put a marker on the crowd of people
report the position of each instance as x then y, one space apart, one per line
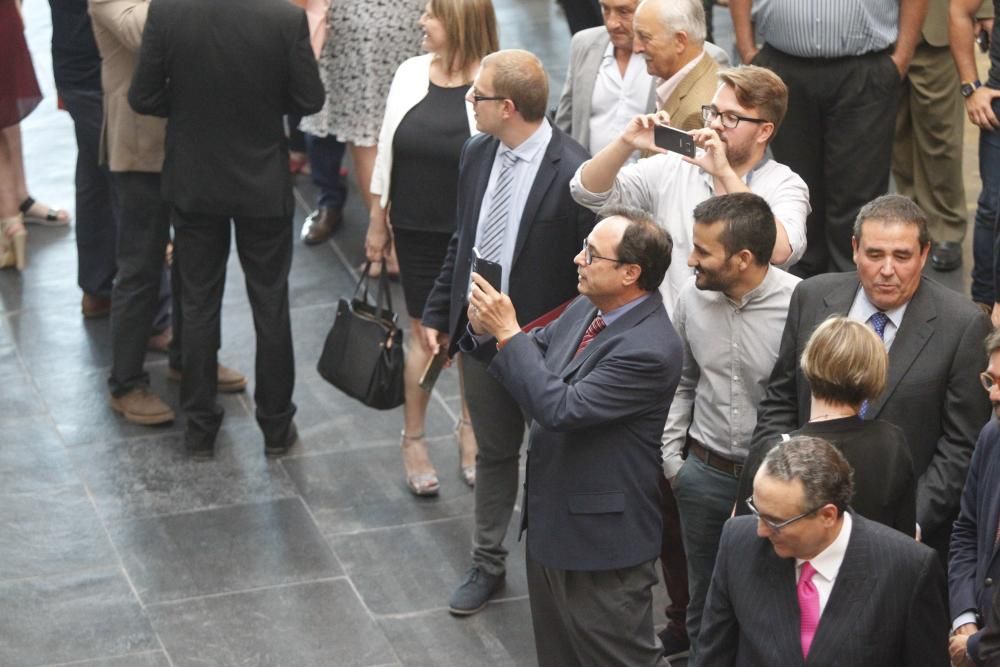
729 360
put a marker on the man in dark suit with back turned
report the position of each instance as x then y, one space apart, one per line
597 384
806 581
224 73
934 340
514 206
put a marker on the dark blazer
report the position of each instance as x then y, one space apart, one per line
989 644
592 499
888 605
552 230
974 557
933 391
885 488
224 73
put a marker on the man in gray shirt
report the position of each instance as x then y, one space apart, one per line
843 63
730 318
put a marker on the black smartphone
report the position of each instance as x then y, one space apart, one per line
491 271
673 140
983 39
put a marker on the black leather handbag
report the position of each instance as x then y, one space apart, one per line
363 353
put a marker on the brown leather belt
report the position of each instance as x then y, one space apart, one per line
712 459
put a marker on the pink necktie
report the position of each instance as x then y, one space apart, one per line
596 327
808 607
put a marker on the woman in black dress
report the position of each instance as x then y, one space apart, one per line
414 192
846 364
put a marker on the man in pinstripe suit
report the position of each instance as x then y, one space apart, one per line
806 581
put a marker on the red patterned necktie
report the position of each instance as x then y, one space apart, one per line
596 327
808 607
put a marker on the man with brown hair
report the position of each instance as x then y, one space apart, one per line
514 207
740 122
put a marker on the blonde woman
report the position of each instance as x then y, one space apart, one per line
846 364
427 121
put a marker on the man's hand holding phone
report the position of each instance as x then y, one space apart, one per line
640 134
713 159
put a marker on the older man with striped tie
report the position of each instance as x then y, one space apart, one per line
515 208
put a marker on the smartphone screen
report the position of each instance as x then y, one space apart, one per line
673 140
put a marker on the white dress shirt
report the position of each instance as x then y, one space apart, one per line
617 99
827 564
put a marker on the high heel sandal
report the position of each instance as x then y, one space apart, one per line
468 471
13 246
420 483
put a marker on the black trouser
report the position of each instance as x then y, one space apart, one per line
141 298
265 250
96 221
837 135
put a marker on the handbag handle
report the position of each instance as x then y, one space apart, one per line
383 296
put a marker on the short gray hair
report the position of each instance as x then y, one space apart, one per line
825 474
686 16
894 209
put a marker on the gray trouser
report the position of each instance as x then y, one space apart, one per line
705 499
593 619
499 424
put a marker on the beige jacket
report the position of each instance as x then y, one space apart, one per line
129 141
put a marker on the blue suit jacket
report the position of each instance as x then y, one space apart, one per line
974 557
592 499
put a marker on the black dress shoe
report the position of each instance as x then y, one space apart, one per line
280 449
946 255
320 225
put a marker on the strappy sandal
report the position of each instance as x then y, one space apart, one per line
468 471
421 484
50 218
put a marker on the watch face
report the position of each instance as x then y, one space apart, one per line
966 89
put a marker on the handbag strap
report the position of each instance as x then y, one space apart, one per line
383 295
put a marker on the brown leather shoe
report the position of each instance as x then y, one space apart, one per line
141 406
93 306
230 381
320 225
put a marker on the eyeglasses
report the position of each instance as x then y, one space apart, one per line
776 527
987 380
486 98
729 119
589 257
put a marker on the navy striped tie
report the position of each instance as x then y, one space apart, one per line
496 220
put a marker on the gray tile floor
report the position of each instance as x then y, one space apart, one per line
117 550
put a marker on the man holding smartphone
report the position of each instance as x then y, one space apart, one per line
743 117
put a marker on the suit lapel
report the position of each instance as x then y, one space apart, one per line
547 171
911 337
848 599
686 84
483 180
838 301
623 323
785 603
588 75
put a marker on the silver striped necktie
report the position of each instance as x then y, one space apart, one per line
496 220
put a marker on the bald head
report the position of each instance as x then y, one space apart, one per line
519 76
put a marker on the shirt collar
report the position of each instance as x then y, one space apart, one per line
759 291
613 315
865 309
666 87
530 147
828 561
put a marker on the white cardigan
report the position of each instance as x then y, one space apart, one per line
409 85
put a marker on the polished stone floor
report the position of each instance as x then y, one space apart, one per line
117 550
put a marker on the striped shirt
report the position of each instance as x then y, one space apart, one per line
827 28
